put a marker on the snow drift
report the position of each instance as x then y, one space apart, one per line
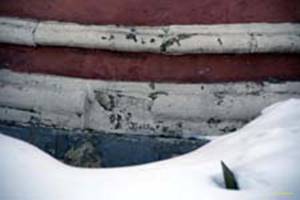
264 156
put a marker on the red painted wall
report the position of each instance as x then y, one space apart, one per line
155 12
151 67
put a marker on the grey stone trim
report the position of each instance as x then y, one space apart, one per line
173 39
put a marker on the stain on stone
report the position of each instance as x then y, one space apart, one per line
274 80
131 36
152 85
152 40
154 95
79 114
220 98
165 30
88 130
119 95
128 116
116 120
84 155
31 110
11 25
166 44
103 38
133 126
179 124
174 40
253 42
105 100
219 102
213 121
220 41
34 120
228 129
165 129
112 118
150 105
118 124
183 36
111 37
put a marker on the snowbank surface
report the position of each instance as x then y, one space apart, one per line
264 155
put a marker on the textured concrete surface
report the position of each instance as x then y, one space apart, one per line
137 108
173 40
99 149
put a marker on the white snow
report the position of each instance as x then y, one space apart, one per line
264 155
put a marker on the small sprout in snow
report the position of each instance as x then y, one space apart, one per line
229 178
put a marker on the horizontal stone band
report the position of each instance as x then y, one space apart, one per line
173 39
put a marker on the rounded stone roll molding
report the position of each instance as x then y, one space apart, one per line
173 39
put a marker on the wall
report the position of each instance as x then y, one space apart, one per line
97 64
202 95
153 12
108 65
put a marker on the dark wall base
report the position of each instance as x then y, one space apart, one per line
93 149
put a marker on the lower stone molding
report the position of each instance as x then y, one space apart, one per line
177 110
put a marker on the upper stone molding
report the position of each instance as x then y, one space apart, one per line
173 39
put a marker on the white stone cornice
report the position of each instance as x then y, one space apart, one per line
173 39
